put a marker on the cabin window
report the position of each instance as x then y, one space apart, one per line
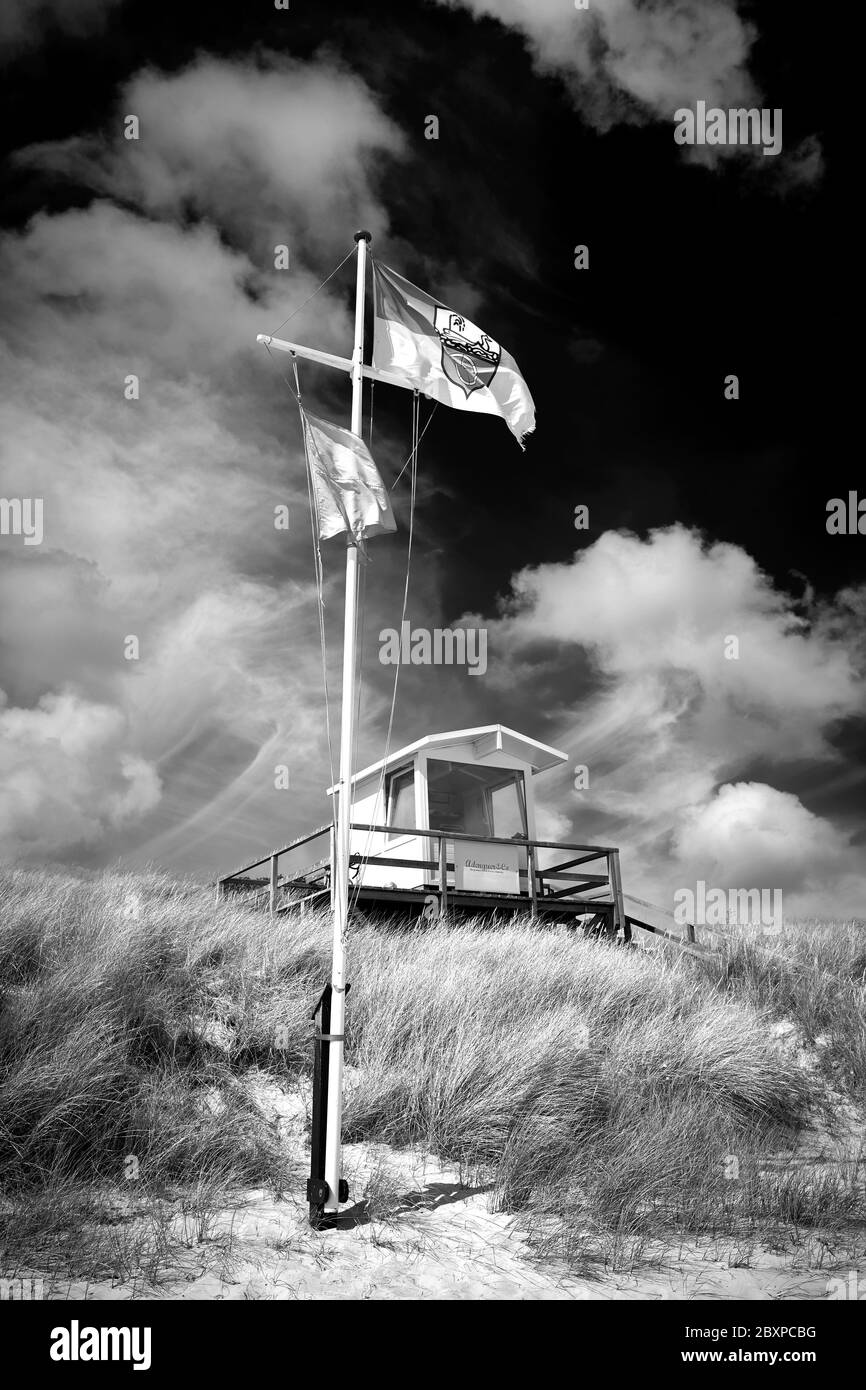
401 799
476 800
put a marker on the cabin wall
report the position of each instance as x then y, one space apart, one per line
369 806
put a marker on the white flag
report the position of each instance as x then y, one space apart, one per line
350 495
446 356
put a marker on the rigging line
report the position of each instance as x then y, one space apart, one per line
320 604
315 292
319 572
292 392
372 392
360 630
358 674
413 456
416 440
414 449
360 627
318 569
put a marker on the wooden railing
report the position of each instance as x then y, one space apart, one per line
234 881
582 887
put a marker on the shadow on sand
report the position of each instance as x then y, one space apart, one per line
435 1194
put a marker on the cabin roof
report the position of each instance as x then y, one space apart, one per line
487 737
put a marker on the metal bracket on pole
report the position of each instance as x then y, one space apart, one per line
318 1190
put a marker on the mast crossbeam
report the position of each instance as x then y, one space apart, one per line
330 359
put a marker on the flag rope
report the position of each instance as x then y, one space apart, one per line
413 478
417 434
315 292
413 451
318 568
360 623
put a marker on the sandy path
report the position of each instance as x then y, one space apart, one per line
434 1239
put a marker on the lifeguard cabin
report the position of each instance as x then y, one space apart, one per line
472 783
447 824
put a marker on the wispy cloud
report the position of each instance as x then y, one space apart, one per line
159 512
25 23
159 523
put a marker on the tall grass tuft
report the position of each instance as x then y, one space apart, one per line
813 975
112 995
600 1092
597 1086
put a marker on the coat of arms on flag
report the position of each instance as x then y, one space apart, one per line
442 353
469 356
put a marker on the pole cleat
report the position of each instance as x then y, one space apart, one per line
318 1191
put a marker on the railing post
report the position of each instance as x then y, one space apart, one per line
613 870
443 875
530 873
272 889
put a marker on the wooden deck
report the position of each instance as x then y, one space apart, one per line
299 875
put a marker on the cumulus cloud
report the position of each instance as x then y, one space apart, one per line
271 152
159 511
670 727
67 777
159 523
748 832
628 61
749 835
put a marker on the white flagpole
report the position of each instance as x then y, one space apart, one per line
334 1110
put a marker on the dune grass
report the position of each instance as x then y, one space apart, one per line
814 975
609 1098
615 1099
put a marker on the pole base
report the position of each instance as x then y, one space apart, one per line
318 1193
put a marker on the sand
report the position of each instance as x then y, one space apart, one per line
427 1236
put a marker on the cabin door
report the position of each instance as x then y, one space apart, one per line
483 802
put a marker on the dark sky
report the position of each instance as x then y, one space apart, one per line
696 271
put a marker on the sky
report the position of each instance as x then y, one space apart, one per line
155 258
